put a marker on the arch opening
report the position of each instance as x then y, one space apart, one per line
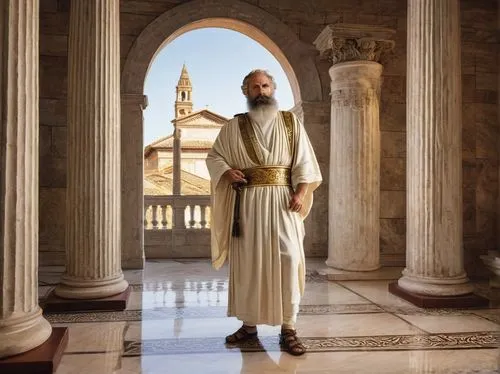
296 58
245 29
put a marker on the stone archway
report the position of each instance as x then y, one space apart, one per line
295 57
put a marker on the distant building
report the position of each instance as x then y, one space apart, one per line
197 132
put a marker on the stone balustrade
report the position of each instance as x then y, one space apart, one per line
193 210
177 226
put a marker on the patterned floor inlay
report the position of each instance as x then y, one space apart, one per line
492 315
314 344
196 312
413 310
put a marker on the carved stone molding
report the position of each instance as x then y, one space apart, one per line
345 42
354 97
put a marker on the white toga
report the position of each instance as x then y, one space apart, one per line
266 263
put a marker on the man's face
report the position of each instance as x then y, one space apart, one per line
260 85
260 91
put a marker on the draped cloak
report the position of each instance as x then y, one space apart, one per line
271 234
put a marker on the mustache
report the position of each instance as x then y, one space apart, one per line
261 100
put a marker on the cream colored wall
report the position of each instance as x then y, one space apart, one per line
205 134
192 162
195 164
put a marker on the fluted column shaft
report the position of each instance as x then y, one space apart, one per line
434 264
93 224
22 326
354 193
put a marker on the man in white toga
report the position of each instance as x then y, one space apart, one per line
263 171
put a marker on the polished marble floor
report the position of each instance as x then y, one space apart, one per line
175 322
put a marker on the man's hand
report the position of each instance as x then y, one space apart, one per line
235 176
296 200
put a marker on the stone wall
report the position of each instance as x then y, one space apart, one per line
307 20
54 21
480 128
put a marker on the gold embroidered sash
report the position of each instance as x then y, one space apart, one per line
250 139
288 119
267 176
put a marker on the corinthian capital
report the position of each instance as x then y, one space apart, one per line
346 42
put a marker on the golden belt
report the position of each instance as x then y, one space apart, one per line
267 176
259 176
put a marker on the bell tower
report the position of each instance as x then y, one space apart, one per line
183 102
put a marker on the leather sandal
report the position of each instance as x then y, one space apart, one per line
240 335
290 342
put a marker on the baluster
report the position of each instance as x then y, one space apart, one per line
155 216
146 222
197 216
186 217
170 216
208 216
203 221
164 221
192 221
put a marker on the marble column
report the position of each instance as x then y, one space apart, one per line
93 213
434 253
354 177
22 326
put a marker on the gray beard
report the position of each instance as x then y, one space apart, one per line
263 112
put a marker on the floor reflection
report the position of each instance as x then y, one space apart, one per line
176 321
257 357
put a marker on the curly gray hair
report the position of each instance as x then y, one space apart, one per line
244 85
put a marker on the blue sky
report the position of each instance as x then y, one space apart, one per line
217 60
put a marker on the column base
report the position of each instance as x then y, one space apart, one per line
19 335
433 286
41 360
56 304
429 301
358 268
76 288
